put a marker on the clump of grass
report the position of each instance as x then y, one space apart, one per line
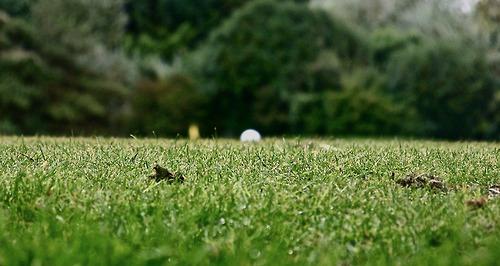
314 202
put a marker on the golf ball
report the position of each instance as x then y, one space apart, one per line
250 135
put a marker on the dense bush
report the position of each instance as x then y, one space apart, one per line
88 32
166 107
387 40
449 85
369 14
47 87
239 64
16 7
488 15
172 27
362 107
307 113
358 106
166 27
18 99
384 67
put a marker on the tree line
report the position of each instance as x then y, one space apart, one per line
423 68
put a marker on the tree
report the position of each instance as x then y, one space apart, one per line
368 14
488 14
266 49
17 8
450 87
169 27
437 18
90 31
167 106
56 78
172 27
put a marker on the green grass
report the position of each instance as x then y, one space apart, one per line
280 202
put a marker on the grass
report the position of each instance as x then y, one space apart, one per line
88 201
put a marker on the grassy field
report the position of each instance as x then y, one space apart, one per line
280 202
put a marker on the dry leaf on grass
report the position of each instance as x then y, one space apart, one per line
421 181
161 174
494 191
476 203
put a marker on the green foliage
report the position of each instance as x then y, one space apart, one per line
166 107
362 108
167 27
22 72
172 27
385 41
488 12
307 113
18 8
79 25
449 85
88 33
290 36
381 67
443 20
239 61
368 14
47 88
358 106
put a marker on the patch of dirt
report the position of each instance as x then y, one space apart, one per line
422 181
163 174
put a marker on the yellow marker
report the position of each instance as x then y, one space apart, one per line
194 132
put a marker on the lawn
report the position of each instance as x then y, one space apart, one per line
90 201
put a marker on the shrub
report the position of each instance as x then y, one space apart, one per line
388 40
18 8
267 49
307 113
449 85
362 107
166 107
46 88
170 27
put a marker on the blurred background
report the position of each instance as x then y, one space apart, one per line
416 68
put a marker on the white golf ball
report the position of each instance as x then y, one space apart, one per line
250 135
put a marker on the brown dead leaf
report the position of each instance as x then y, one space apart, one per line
161 174
421 181
477 203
